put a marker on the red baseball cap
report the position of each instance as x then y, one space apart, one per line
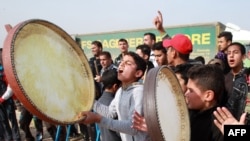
180 42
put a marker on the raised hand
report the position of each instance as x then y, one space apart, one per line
158 22
224 117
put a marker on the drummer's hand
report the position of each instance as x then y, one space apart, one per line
90 117
158 22
98 78
224 117
139 122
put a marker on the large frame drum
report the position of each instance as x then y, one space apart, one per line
165 109
48 71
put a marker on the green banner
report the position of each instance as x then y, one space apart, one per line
203 37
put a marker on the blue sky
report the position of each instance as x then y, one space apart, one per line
93 16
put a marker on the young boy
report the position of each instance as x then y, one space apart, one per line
236 53
180 71
235 80
110 84
204 91
127 99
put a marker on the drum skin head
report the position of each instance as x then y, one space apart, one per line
48 72
164 106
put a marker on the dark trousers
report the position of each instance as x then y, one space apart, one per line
51 129
5 130
24 121
84 131
11 112
39 128
88 131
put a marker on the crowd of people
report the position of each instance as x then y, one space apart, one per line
208 89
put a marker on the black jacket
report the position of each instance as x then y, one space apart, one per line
237 90
118 60
203 127
96 67
150 65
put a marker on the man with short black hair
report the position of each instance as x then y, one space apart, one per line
150 39
224 40
160 53
107 64
144 52
123 46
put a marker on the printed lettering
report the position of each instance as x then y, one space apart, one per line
236 132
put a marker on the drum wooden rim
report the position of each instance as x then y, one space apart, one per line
151 106
11 73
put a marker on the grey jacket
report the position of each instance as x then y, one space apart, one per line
123 105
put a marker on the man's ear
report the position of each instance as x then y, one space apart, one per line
209 95
229 42
139 73
173 53
146 57
244 57
115 86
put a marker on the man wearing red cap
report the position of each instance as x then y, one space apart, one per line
178 49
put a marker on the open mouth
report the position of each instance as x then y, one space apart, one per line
120 71
231 61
